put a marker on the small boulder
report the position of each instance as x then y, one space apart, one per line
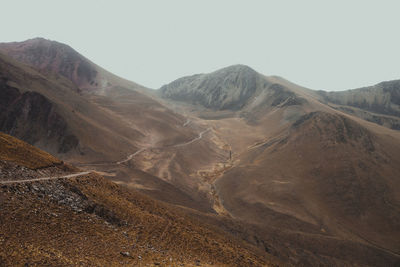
126 254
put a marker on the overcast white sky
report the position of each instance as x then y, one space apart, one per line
328 45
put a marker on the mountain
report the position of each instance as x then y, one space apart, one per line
238 89
102 129
274 165
51 57
31 116
91 221
235 89
126 104
20 153
326 177
50 114
379 103
301 171
228 88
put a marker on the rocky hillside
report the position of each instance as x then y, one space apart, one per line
103 129
264 161
379 103
54 58
228 88
31 116
91 221
235 88
51 111
239 90
326 180
50 114
303 173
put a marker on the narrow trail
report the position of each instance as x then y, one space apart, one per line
200 136
45 178
131 156
195 139
186 123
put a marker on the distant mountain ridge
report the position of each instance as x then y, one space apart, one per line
379 103
52 57
383 98
228 88
238 89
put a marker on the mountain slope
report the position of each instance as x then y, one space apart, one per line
290 171
51 57
97 128
235 89
300 171
21 153
31 116
131 111
326 176
227 88
48 113
379 103
91 221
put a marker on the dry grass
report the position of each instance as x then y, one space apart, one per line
21 153
91 221
39 231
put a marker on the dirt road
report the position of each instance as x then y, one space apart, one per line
200 136
46 178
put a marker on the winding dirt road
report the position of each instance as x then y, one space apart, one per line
46 178
200 136
186 123
131 156
195 139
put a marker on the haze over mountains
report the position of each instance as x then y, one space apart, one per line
308 177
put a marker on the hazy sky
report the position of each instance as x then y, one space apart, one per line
328 45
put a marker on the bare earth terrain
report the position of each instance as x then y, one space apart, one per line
229 168
83 219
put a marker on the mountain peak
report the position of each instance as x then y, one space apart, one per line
13 47
38 40
234 88
236 68
238 71
227 88
51 56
